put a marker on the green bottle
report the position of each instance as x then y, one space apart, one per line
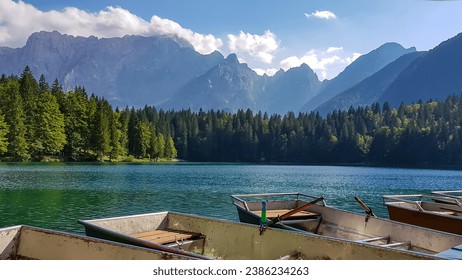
263 220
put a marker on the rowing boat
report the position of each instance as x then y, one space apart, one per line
221 239
451 197
32 243
425 211
311 215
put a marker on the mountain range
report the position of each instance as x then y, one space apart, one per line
167 72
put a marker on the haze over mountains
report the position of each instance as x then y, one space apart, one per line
166 72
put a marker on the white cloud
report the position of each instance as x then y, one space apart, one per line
334 49
269 72
321 15
18 20
260 47
326 63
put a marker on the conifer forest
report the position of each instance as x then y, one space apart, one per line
39 120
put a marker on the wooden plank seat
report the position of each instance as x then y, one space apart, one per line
271 214
165 236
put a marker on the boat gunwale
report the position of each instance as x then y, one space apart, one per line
240 197
448 193
127 216
449 197
14 227
420 197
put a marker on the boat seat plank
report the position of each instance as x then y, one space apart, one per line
165 236
271 214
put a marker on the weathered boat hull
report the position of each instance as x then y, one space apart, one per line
231 240
25 242
422 210
345 225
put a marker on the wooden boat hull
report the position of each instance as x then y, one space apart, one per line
345 225
424 211
25 242
425 219
231 240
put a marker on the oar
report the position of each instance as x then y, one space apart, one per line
294 211
366 208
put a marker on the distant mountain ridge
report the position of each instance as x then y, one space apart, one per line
167 72
163 71
131 70
228 86
232 86
433 76
362 68
370 89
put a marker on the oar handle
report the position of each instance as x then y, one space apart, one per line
366 208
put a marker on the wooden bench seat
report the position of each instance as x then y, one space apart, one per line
271 214
165 236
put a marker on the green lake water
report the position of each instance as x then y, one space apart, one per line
57 195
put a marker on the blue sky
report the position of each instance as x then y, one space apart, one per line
268 35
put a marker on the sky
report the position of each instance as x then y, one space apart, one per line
268 35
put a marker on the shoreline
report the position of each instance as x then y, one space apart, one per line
163 160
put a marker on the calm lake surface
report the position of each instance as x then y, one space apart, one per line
57 195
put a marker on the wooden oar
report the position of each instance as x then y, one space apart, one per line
366 208
294 211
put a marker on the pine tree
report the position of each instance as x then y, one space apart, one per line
116 149
170 151
123 140
160 146
48 127
132 131
43 85
76 123
28 86
57 91
100 129
142 139
14 117
4 129
29 91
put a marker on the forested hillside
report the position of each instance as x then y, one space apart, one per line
38 120
421 133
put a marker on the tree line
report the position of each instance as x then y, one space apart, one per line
37 120
420 133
